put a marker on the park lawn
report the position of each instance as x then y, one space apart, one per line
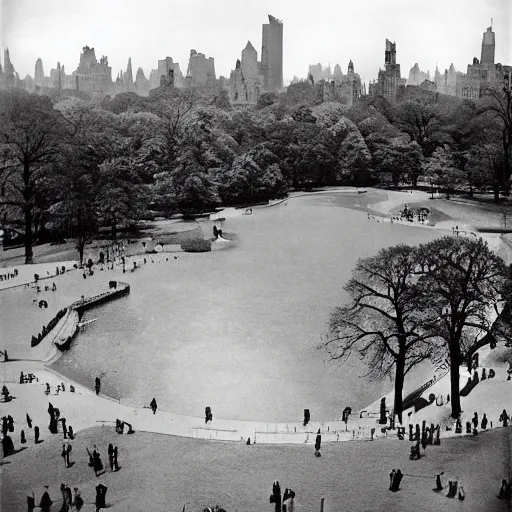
162 473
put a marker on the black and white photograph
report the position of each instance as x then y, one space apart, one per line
256 256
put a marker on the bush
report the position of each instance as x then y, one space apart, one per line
197 245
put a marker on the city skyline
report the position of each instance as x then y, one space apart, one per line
221 30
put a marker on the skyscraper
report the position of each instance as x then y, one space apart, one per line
272 54
488 47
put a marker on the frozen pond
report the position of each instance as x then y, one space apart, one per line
237 330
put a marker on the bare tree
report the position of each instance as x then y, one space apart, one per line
382 323
465 286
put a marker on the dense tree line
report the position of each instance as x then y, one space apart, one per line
69 164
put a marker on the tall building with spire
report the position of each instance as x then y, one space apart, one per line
488 47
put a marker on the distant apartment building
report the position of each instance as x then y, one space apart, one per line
8 76
92 76
481 74
336 86
201 70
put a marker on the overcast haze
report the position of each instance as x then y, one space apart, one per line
326 31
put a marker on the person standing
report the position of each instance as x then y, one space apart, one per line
46 502
276 496
97 385
29 421
153 405
318 443
69 496
78 502
64 455
98 465
68 448
65 506
101 492
64 428
111 456
116 465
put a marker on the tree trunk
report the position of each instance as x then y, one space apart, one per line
496 190
80 245
28 235
454 380
114 228
399 386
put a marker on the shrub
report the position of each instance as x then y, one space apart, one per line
197 245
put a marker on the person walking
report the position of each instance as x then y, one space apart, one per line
29 421
153 405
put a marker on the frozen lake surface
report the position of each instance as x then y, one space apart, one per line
238 330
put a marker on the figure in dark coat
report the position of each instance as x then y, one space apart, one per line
29 421
78 501
276 496
153 405
45 502
65 505
111 456
97 464
116 465
318 443
101 492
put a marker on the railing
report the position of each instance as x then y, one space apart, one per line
216 434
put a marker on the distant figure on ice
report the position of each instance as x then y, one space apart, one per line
153 405
318 443
97 385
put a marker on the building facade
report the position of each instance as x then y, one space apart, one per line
272 54
389 79
346 89
201 70
251 77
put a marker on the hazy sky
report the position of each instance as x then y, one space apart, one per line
326 31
